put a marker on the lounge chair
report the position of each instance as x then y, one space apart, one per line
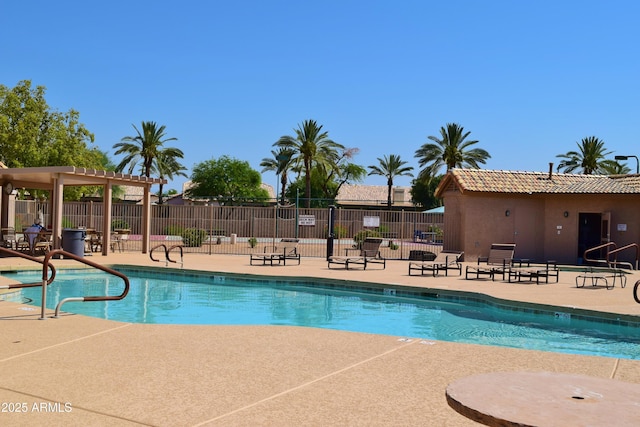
445 261
287 250
498 262
368 254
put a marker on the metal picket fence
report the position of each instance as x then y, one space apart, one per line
244 230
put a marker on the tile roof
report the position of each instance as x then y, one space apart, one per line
500 181
372 194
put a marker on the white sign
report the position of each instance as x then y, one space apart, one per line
307 220
622 227
371 221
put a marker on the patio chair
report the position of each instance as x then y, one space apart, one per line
445 261
8 239
119 238
498 262
369 253
287 250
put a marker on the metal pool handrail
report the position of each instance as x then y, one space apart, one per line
615 252
82 260
45 280
635 292
167 256
607 245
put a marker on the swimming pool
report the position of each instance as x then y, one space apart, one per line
213 299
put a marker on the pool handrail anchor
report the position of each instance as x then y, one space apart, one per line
69 255
635 291
167 255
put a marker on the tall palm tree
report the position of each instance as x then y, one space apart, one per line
311 147
390 167
450 150
590 159
145 147
167 167
280 163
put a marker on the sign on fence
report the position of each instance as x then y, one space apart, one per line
307 220
371 221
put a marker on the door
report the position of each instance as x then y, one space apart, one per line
605 228
590 232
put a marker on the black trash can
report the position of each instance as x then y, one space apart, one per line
73 240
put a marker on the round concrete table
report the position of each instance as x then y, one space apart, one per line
545 399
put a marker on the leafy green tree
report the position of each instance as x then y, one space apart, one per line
589 159
311 147
423 192
390 167
319 188
227 180
280 163
34 135
144 148
451 149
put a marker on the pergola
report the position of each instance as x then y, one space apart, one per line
55 178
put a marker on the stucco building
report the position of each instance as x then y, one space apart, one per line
549 216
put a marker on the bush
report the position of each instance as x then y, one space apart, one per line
252 242
119 224
363 234
174 230
193 237
339 231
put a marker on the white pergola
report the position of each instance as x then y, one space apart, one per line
55 178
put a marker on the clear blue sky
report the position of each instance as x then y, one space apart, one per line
528 79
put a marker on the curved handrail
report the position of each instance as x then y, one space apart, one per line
181 254
617 250
161 245
167 255
69 255
635 292
46 280
597 248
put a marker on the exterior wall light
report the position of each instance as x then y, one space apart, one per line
507 212
566 214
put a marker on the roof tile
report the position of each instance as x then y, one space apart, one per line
500 181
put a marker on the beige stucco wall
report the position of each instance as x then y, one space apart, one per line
535 223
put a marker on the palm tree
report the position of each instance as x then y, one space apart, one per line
450 150
391 167
311 147
145 147
590 159
167 167
281 164
615 169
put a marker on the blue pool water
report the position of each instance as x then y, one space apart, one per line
219 300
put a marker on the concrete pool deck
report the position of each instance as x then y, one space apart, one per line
82 371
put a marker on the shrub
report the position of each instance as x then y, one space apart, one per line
339 231
393 246
252 242
119 224
193 237
66 223
174 230
363 234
